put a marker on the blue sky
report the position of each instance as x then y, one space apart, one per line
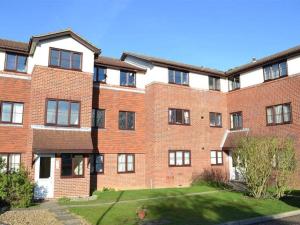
213 33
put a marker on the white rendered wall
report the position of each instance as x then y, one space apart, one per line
293 65
251 78
41 54
2 60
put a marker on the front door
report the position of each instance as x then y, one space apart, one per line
44 176
235 173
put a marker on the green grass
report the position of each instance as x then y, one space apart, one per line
204 209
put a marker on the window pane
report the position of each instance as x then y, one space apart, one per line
17 113
131 79
74 120
101 74
63 113
100 118
278 114
45 167
122 120
130 120
65 59
14 162
92 163
218 119
186 158
54 57
186 117
121 163
123 78
99 163
172 115
6 112
130 163
270 115
179 116
220 157
211 83
267 73
179 159
66 164
21 66
172 158
283 69
3 158
76 61
95 74
171 76
178 77
185 78
213 157
51 112
11 60
78 165
212 120
275 71
286 113
217 81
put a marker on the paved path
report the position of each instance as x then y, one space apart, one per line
61 213
293 220
143 199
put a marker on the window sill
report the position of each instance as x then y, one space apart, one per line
278 124
129 172
61 126
171 166
220 164
185 85
234 89
180 124
69 69
129 86
11 125
15 71
70 177
215 90
266 81
216 126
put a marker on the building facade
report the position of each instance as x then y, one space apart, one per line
79 121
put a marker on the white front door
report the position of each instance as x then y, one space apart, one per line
44 176
234 172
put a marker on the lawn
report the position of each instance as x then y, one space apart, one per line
205 209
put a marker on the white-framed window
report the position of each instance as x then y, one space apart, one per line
179 158
126 163
216 157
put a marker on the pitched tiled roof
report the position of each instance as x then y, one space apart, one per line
117 64
233 138
13 45
175 65
62 141
266 60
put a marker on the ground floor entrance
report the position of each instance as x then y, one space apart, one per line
44 175
234 171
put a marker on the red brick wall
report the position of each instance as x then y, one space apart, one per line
71 187
199 137
252 102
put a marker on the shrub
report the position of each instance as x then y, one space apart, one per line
211 177
16 189
261 158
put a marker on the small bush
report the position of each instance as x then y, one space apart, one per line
211 177
105 189
16 189
64 200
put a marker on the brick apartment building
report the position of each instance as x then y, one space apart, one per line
79 121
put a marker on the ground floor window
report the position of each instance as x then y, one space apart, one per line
126 163
11 162
72 165
179 158
216 157
96 163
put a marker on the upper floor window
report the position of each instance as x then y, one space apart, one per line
127 78
178 77
65 59
15 62
126 120
215 119
62 113
179 116
98 118
275 71
214 83
99 74
179 158
11 162
126 163
234 82
236 121
279 114
11 112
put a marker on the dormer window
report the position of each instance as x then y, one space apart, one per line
99 74
127 79
178 77
234 82
65 59
16 62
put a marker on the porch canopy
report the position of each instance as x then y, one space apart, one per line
232 139
55 141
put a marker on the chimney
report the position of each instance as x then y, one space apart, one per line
253 59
